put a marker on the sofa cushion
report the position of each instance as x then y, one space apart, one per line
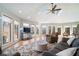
75 43
62 45
59 47
54 51
67 52
65 39
71 39
47 54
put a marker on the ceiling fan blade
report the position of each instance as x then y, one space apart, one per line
57 9
54 7
50 11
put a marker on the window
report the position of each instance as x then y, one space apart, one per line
67 30
53 29
49 29
43 29
74 30
6 29
37 32
59 30
37 29
16 30
32 29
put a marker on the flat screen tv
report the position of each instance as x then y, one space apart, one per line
26 30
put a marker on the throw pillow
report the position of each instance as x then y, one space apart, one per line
75 42
70 40
64 39
67 52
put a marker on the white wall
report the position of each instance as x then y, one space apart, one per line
62 25
1 30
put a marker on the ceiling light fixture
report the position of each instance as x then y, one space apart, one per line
54 8
15 22
20 11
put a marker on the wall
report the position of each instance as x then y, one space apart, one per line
61 25
1 30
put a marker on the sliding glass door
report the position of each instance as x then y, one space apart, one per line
10 30
6 29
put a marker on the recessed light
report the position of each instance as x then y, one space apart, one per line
29 17
20 11
15 22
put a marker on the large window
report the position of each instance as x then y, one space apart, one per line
74 30
16 30
6 29
67 30
32 29
49 29
43 29
59 30
37 29
53 29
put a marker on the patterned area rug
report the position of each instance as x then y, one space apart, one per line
25 49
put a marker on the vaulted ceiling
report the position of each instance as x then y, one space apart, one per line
38 12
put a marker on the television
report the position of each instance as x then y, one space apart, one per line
26 30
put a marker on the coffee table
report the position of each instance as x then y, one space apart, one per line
40 46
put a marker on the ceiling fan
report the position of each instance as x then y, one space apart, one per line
54 9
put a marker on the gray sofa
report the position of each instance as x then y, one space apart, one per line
62 46
59 47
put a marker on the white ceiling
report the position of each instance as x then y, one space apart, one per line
38 12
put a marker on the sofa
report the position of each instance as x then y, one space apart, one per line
58 47
63 45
